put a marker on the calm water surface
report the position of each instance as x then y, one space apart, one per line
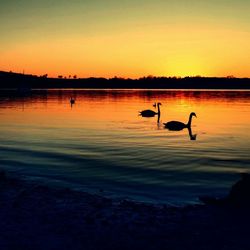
100 144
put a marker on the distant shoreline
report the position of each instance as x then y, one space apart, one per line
9 80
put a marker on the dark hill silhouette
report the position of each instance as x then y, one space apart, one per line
21 81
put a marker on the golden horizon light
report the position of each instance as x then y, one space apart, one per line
131 39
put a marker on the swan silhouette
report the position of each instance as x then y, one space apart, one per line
177 126
151 113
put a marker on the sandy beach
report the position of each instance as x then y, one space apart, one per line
33 216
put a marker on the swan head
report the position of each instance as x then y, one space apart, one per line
159 103
193 114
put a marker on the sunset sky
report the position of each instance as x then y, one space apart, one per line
129 38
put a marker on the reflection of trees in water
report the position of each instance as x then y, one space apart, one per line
157 94
15 97
63 95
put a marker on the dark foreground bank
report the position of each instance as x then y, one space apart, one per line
33 216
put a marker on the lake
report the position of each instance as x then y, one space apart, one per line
101 145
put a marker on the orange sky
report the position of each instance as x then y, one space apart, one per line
130 39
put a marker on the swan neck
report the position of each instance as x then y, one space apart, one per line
159 116
158 105
189 121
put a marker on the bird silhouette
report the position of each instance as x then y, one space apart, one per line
151 113
177 126
72 101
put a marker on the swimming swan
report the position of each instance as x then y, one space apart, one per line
176 125
151 113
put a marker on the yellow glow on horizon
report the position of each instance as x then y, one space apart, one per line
161 51
187 65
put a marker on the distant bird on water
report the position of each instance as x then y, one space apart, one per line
177 126
72 101
151 113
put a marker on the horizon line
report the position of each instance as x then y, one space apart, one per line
75 77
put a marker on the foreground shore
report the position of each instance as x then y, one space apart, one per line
33 216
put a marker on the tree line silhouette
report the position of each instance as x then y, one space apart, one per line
17 80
